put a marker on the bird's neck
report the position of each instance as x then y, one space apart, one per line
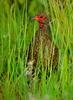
43 25
44 29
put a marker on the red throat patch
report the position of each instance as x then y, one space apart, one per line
41 24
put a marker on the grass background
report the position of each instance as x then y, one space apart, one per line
16 31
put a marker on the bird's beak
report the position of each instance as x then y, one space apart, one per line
35 18
32 18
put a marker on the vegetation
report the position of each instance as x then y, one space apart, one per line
16 31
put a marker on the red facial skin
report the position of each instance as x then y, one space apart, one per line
41 20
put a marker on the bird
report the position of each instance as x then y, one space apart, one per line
42 49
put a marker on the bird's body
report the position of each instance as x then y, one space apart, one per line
42 48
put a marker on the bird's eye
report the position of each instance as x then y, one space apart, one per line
41 16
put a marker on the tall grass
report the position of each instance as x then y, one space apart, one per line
16 32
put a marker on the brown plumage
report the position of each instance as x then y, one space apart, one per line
42 48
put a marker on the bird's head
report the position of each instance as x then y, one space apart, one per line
42 19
